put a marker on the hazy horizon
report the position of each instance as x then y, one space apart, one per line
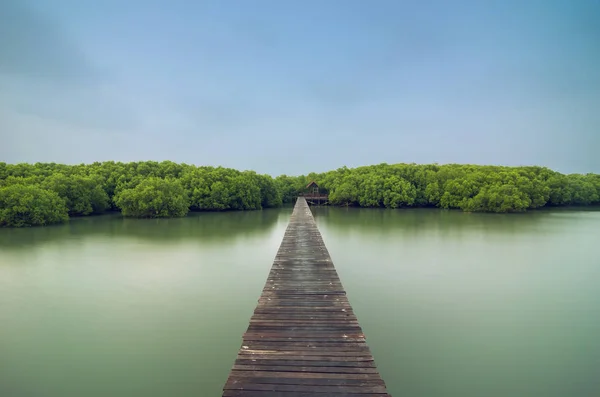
304 86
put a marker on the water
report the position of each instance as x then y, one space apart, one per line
452 304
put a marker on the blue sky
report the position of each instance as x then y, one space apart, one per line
299 86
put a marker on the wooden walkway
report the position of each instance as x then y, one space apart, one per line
303 338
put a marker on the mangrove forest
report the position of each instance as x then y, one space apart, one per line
48 193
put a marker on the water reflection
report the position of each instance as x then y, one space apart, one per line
414 223
201 227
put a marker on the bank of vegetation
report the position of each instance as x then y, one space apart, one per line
47 193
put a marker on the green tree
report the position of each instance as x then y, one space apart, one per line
498 198
154 198
84 195
269 194
244 193
346 193
560 190
288 187
29 205
398 192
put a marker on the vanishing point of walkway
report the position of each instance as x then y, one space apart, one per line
303 339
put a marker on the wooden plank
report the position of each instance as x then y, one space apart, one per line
310 346
305 352
252 393
303 338
284 368
280 328
235 384
322 320
308 309
297 317
305 375
299 356
340 337
320 362
271 380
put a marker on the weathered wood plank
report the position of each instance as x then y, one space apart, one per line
303 338
272 380
252 393
286 353
305 346
305 375
301 357
284 368
347 389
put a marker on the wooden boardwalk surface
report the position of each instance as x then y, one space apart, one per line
303 338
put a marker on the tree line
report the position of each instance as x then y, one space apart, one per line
472 188
46 193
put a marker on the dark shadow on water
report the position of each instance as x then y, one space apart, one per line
201 227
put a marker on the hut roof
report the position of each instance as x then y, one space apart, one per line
311 184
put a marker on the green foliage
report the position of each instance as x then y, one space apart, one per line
269 194
94 188
495 198
398 192
30 205
143 188
454 186
83 194
219 189
154 198
289 187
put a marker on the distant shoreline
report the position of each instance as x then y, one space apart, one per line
47 193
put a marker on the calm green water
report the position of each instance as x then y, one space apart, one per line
452 304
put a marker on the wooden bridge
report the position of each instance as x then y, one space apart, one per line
304 338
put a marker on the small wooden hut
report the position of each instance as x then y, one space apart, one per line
313 195
312 189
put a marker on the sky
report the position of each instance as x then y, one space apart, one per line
290 87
